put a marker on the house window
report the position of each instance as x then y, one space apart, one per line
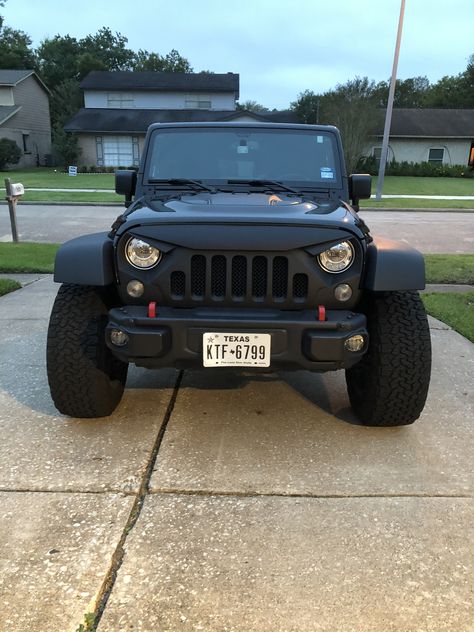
198 102
471 155
120 100
117 151
26 143
436 155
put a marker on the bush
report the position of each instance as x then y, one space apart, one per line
10 153
420 169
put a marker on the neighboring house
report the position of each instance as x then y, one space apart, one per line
441 136
119 107
24 115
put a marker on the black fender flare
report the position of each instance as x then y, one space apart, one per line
393 265
86 260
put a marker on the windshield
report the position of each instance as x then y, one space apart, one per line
229 154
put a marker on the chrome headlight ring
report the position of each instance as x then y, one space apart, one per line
142 255
338 258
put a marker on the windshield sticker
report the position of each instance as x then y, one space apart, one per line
319 139
326 173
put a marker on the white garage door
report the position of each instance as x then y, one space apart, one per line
117 151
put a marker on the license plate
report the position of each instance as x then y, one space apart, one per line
234 349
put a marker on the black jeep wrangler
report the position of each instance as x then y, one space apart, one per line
239 248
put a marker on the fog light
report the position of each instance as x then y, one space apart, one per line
343 292
118 338
355 343
135 288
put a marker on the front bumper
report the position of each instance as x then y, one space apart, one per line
173 338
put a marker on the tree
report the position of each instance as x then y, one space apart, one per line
10 153
66 145
252 106
307 107
351 106
172 62
15 51
108 50
57 59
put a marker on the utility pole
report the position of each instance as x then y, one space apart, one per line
388 116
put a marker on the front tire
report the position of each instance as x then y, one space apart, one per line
389 386
85 378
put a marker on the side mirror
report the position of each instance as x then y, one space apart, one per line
360 187
125 183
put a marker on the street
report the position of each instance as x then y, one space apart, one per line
430 232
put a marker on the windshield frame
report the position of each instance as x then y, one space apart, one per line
232 184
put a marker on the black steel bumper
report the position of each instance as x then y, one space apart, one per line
173 338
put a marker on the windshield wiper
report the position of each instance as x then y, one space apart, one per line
264 183
195 184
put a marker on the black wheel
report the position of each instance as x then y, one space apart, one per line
388 387
85 378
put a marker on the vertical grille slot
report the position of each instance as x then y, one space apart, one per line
198 276
280 278
239 276
178 285
259 277
218 274
300 287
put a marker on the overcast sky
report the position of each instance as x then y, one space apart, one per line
278 47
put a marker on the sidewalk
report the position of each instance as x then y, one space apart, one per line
213 501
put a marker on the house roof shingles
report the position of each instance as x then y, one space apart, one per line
7 111
430 123
111 120
169 81
12 77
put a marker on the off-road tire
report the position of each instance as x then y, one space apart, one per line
85 378
388 387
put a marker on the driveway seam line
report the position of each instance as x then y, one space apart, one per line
234 494
119 552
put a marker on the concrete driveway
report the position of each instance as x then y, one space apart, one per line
251 503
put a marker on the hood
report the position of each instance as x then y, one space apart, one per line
250 221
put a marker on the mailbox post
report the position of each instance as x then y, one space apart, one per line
13 192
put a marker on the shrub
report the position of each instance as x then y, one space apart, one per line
420 169
10 153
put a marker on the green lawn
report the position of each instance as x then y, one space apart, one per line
406 185
53 178
27 257
450 269
8 285
457 310
83 197
454 309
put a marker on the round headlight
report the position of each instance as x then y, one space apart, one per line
338 258
141 254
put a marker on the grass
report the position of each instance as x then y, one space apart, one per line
457 310
27 257
407 185
450 269
53 178
8 285
402 203
73 196
454 309
47 177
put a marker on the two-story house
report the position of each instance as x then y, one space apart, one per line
24 115
119 107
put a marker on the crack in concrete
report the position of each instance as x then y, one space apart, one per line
119 553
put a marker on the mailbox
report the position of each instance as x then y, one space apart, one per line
17 189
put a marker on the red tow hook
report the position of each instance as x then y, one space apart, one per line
152 309
321 313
